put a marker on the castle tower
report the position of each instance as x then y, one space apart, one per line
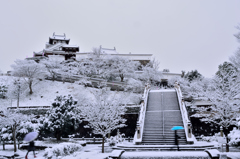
58 45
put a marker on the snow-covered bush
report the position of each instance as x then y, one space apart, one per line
84 81
62 149
234 137
113 140
3 90
238 121
210 138
22 129
5 133
134 85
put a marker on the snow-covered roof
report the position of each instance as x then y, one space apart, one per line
201 102
108 51
55 46
72 46
59 37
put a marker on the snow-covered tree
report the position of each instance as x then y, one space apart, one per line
196 88
235 58
53 67
96 52
105 66
223 93
150 74
237 35
193 75
63 117
13 120
3 88
134 85
121 67
104 114
16 89
28 70
22 129
156 64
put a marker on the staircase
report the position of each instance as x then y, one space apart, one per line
162 114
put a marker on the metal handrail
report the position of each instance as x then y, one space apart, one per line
163 122
186 121
162 112
140 123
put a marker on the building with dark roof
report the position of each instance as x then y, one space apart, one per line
58 45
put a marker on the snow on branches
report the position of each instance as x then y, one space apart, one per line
104 114
29 70
12 122
63 116
223 92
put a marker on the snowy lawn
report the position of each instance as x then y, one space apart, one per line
44 96
169 154
94 152
87 152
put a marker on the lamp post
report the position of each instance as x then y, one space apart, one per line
221 130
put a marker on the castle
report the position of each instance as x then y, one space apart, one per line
58 46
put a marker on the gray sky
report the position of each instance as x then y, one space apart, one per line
181 34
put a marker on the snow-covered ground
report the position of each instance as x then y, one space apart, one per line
88 152
44 93
94 152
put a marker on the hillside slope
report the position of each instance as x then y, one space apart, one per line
44 93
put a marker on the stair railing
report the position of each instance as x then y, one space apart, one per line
162 113
163 122
186 121
141 118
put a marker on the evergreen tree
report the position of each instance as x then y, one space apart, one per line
226 68
63 116
3 90
194 74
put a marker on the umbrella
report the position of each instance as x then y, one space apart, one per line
31 136
177 128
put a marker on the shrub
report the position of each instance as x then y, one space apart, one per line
115 139
210 138
62 149
234 137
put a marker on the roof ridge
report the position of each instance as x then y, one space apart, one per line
54 46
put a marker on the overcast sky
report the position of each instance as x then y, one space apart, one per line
181 34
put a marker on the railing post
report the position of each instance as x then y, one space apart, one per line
221 130
3 145
138 131
189 130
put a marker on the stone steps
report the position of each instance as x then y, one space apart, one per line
162 104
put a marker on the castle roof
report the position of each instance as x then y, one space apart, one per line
59 38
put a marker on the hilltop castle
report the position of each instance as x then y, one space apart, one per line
58 46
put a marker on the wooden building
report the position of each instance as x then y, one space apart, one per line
58 45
